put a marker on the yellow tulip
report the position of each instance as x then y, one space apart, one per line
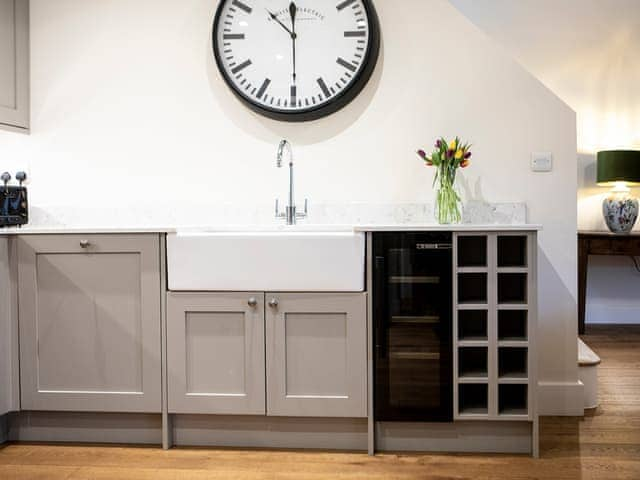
459 154
453 145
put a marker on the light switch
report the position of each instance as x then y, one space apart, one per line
541 162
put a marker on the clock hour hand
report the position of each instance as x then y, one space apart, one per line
275 18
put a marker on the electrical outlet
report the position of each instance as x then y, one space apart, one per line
541 162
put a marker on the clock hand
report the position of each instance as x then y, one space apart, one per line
293 10
273 17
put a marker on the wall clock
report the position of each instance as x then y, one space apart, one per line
296 60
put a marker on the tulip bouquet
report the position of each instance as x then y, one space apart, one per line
447 157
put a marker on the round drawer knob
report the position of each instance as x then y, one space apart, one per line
85 243
252 302
273 303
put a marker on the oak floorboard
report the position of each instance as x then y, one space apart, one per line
605 444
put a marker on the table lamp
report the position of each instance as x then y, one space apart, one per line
619 169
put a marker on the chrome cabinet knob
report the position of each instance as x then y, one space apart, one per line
273 303
252 302
85 243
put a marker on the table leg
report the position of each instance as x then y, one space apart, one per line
583 261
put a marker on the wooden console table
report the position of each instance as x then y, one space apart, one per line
600 243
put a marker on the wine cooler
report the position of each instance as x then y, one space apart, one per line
412 319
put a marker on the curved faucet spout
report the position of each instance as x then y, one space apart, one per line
284 145
290 211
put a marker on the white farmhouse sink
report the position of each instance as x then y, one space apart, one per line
282 260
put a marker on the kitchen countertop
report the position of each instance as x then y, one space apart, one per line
463 227
124 229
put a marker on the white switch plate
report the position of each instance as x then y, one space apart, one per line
541 162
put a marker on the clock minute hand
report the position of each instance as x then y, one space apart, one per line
293 10
274 17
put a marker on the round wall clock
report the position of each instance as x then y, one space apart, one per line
296 60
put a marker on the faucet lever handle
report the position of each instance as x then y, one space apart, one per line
277 211
306 210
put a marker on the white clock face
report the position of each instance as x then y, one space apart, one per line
295 56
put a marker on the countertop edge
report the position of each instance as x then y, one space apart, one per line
159 229
450 228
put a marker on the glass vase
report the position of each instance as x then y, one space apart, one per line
447 198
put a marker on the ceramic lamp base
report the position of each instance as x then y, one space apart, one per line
620 212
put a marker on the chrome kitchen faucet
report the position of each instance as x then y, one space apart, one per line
290 213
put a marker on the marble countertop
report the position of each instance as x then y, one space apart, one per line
124 229
462 227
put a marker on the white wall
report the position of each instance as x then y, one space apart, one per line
126 94
586 51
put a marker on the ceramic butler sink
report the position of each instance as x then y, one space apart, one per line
290 261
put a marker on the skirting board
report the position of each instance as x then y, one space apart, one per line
561 399
128 428
4 428
270 432
611 314
476 437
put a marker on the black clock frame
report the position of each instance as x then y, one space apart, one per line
337 102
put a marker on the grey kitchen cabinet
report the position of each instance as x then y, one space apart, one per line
14 63
9 382
316 354
215 353
90 322
5 330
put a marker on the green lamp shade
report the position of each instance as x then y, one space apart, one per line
618 166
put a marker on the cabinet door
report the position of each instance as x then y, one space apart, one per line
14 63
316 354
215 352
89 309
7 342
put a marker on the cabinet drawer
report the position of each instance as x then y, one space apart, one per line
91 243
625 246
89 310
600 246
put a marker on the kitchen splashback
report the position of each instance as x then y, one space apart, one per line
236 214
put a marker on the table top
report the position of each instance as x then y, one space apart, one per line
605 233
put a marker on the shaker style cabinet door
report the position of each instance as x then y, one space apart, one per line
316 354
215 353
14 63
89 310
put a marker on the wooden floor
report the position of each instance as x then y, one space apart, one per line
603 445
